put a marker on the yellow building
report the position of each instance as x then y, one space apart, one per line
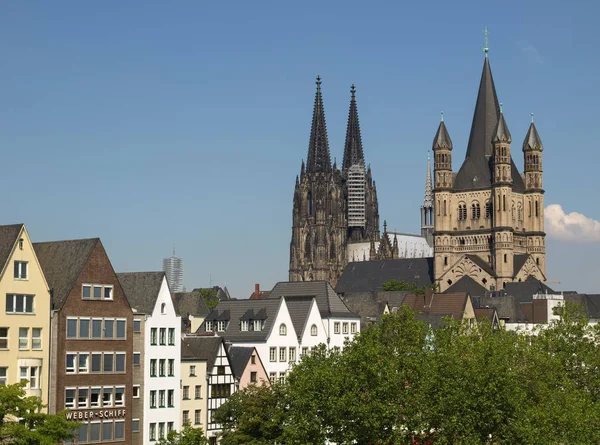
25 319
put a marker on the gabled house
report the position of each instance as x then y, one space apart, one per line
432 308
92 338
247 367
218 379
25 320
159 389
192 309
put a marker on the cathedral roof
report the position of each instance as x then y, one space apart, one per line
442 138
467 284
475 172
502 134
353 150
319 159
532 139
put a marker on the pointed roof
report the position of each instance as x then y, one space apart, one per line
428 185
532 139
8 237
353 150
475 172
502 134
442 138
319 159
141 289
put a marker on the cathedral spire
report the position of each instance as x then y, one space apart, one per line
319 159
428 185
353 150
502 134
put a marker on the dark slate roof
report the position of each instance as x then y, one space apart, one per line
236 309
353 149
476 172
141 289
482 263
298 307
467 284
189 303
532 139
239 357
525 290
442 138
201 348
328 301
502 134
519 261
62 262
590 302
369 276
507 306
439 304
8 237
370 305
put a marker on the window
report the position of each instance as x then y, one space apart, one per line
137 326
136 359
186 417
36 338
31 375
3 338
304 351
86 292
153 367
108 362
95 397
96 361
186 393
198 392
272 354
153 398
170 426
153 336
505 258
120 362
282 329
84 328
97 328
197 417
83 362
82 433
107 430
161 367
488 209
282 354
163 336
96 292
109 328
272 377
221 325
336 327
153 431
172 336
292 355
244 325
163 308
171 367
70 398
253 359
475 210
71 328
70 363
19 304
220 390
161 430
171 398
209 326
192 371
313 330
119 429
23 338
82 398
3 375
135 425
220 370
344 328
121 325
353 328
135 393
161 398
257 325
120 396
537 208
462 212
282 377
253 377
95 431
20 270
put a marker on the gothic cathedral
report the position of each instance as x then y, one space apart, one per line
489 219
332 207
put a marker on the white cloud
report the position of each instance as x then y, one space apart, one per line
531 52
570 226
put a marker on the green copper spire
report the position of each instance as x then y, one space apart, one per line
486 49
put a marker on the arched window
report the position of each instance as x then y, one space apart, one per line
475 210
512 211
504 202
462 211
163 308
309 198
445 211
313 330
488 209
537 208
520 212
282 329
530 209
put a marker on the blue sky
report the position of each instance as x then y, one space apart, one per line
153 125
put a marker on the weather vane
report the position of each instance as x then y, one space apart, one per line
485 42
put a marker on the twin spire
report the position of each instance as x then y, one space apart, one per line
319 158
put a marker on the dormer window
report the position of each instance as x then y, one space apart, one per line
244 325
282 329
221 325
257 325
209 326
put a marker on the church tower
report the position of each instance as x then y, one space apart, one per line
427 207
489 223
318 245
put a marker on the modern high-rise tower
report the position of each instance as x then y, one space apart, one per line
173 269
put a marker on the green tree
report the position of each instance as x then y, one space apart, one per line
187 436
399 285
34 427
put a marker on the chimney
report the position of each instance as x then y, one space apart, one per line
257 291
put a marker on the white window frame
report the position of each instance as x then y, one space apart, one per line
133 430
282 329
74 389
124 363
14 303
192 370
344 328
292 355
92 328
118 403
19 270
117 321
353 328
87 397
244 326
26 338
272 354
272 377
139 359
257 325
99 403
209 326
282 354
37 340
135 389
79 320
5 338
336 327
220 325
304 351
110 403
314 330
3 375
86 370
92 354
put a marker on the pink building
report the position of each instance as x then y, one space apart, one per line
247 366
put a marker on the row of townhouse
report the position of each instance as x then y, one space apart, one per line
103 347
294 318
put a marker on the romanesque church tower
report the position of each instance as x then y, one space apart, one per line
489 219
331 206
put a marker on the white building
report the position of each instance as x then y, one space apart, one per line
173 268
409 246
148 293
296 317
